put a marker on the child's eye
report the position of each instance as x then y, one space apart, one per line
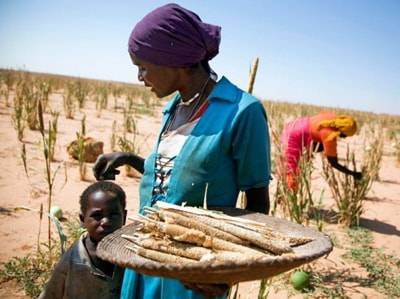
97 216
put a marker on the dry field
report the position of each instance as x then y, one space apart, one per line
365 262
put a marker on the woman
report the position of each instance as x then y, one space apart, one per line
214 137
322 130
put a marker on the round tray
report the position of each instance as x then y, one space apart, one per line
112 248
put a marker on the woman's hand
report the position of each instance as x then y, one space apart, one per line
208 290
335 164
106 164
357 175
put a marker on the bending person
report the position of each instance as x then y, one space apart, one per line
322 130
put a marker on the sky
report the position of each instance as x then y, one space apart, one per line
338 53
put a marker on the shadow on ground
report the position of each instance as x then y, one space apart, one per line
330 216
379 227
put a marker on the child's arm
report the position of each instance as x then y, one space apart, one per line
55 287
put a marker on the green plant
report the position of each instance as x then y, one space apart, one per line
18 116
50 176
129 102
81 91
32 271
80 138
23 158
383 270
68 102
396 147
40 227
113 138
129 122
29 97
116 91
44 90
74 229
98 105
317 214
9 80
348 192
53 130
103 97
329 285
294 199
265 285
127 145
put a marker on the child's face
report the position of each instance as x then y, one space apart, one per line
104 215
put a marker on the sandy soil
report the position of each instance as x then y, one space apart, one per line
19 227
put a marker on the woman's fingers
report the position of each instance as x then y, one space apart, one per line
109 174
98 167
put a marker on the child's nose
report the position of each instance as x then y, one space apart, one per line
104 221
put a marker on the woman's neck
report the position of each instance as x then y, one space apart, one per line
193 83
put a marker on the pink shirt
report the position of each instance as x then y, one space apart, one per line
298 135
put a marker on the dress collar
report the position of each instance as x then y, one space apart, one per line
223 90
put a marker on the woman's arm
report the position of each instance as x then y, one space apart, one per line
106 165
134 161
333 161
258 200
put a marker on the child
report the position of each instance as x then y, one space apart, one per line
80 273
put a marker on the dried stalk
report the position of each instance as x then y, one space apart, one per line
272 245
176 218
159 256
183 234
169 246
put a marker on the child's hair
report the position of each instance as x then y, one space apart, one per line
104 186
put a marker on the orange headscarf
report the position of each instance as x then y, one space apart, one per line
341 124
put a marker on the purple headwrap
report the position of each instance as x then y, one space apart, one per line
174 36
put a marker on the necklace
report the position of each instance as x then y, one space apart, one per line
196 96
187 110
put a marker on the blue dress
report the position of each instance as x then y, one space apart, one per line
228 149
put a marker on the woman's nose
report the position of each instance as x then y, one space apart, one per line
141 74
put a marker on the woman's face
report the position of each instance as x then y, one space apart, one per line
162 80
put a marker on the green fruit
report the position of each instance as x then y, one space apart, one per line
56 212
300 280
